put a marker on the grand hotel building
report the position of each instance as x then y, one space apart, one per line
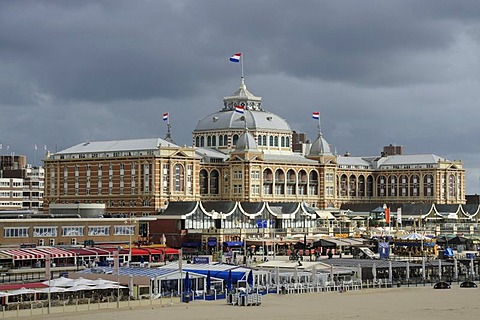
240 170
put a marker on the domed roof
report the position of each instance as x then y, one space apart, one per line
246 142
256 118
319 147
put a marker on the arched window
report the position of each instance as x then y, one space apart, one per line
203 181
202 141
452 186
392 188
381 185
352 186
214 141
287 142
428 185
235 139
291 182
209 141
264 140
302 182
179 177
343 185
197 142
225 140
220 140
369 188
276 141
361 186
279 182
313 182
214 187
271 141
267 181
282 142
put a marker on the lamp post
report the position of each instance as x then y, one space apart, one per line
131 220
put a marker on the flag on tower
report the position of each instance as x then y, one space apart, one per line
240 109
316 115
235 57
165 116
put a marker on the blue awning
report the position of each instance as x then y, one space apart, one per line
212 243
233 243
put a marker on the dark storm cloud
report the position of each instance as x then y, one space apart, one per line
380 72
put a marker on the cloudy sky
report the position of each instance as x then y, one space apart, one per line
380 72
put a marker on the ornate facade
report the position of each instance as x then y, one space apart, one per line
242 157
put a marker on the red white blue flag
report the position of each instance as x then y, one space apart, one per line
316 115
240 109
235 57
165 116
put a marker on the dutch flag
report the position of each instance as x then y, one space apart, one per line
165 116
316 115
240 109
235 57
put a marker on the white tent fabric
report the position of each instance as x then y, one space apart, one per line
22 291
80 287
60 282
414 236
53 290
4 294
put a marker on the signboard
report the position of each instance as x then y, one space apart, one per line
201 260
384 250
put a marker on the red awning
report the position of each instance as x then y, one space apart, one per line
17 254
136 252
170 251
56 252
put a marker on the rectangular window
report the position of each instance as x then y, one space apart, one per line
45 231
123 230
20 232
73 231
99 231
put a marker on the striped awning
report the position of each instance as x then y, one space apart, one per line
38 253
55 252
18 254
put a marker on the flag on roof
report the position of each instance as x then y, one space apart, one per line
165 116
240 109
235 57
316 115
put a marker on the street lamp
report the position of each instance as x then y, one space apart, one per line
130 222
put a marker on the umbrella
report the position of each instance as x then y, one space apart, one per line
250 279
60 282
209 281
229 281
23 290
186 286
80 287
53 290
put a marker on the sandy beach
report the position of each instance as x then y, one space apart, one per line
396 303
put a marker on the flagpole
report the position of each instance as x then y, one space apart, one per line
241 62
319 125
